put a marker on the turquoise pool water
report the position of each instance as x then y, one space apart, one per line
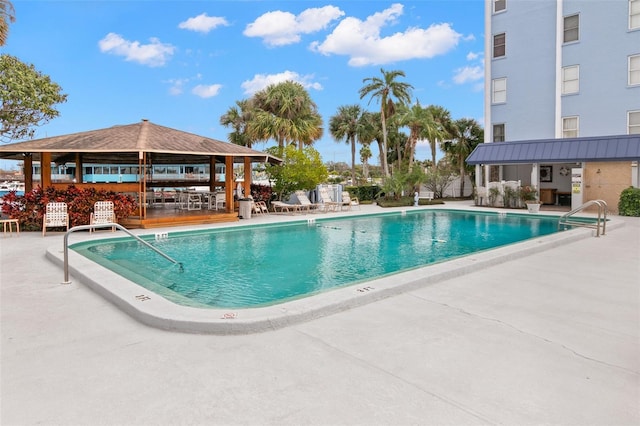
257 266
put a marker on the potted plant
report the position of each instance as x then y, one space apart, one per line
529 195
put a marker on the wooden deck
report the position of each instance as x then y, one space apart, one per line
158 217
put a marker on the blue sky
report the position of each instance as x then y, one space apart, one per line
182 64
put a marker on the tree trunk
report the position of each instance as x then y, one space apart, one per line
462 176
353 161
383 155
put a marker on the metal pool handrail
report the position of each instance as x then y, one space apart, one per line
106 225
602 217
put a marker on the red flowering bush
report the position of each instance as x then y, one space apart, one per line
261 192
30 208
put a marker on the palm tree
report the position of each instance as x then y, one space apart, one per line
238 117
466 135
438 130
397 143
346 125
286 113
385 89
370 131
417 119
7 16
365 154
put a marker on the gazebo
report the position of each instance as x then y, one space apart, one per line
141 145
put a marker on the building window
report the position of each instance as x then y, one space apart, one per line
499 5
570 79
634 122
498 132
499 90
634 70
499 45
571 28
634 14
570 127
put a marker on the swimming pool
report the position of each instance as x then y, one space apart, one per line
256 266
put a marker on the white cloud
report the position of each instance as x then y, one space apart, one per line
468 74
362 41
280 28
203 23
205 91
154 54
177 86
472 55
260 81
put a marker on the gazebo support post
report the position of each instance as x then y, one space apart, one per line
247 176
28 172
212 173
78 176
228 183
45 169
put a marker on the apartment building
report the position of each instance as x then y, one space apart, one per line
562 97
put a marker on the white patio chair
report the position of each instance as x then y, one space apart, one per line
259 207
103 213
348 201
194 201
327 201
55 215
219 201
306 204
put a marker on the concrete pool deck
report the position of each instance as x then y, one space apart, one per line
550 338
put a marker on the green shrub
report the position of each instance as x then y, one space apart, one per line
629 204
365 193
406 201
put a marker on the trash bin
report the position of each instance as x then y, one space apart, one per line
244 210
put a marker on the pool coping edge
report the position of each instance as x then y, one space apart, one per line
155 311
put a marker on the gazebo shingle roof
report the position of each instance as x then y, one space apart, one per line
112 144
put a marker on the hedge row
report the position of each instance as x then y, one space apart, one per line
30 207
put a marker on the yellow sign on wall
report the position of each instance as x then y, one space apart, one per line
575 188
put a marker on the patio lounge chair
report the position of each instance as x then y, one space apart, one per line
55 215
325 199
279 206
306 203
348 201
103 213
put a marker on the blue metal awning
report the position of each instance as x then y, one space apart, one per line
570 150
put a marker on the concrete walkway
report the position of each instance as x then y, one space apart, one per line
552 338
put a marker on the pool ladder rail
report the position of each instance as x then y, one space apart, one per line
108 225
601 223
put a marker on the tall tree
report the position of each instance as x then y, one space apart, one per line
371 130
466 134
238 118
299 169
28 99
286 113
438 130
397 143
417 119
346 125
7 16
385 90
365 154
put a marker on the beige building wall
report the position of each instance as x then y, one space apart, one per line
605 181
